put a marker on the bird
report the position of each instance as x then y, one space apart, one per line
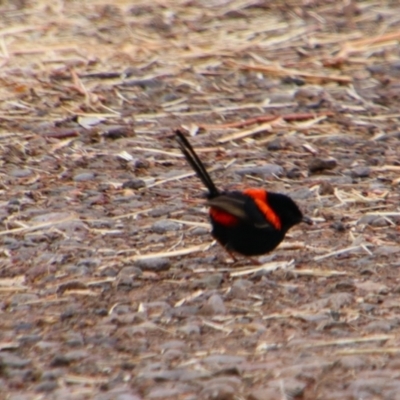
251 222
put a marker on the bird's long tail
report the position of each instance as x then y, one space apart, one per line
196 164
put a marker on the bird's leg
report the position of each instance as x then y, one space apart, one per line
235 260
254 261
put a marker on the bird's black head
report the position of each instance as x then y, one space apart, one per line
287 210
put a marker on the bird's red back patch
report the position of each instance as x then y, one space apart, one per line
223 217
260 197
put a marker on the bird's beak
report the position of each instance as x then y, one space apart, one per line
307 220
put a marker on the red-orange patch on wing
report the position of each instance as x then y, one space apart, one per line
223 217
260 197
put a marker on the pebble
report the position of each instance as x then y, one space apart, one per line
154 264
371 287
172 354
264 170
224 359
74 339
338 226
134 184
84 176
127 283
293 388
319 164
76 355
294 173
367 219
302 194
189 329
163 226
212 281
265 394
326 188
352 362
21 298
214 305
174 392
240 289
155 238
172 344
219 391
339 300
160 211
386 250
12 360
52 375
46 346
130 271
199 231
20 172
378 326
59 360
46 387
361 172
29 338
275 145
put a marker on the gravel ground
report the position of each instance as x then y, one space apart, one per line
110 284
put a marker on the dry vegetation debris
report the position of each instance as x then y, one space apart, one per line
110 285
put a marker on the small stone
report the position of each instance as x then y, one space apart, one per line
352 362
325 188
378 326
275 145
76 355
13 361
154 264
34 338
141 163
361 172
338 226
46 387
294 173
20 172
184 311
339 300
319 165
294 388
74 339
22 298
172 354
84 176
130 271
59 361
52 375
214 305
212 281
264 170
134 184
224 359
199 231
163 226
161 211
372 287
265 394
387 250
219 391
189 329
240 289
302 194
127 283
367 219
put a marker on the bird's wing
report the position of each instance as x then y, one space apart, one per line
239 208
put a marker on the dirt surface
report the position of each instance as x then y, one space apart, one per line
110 285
